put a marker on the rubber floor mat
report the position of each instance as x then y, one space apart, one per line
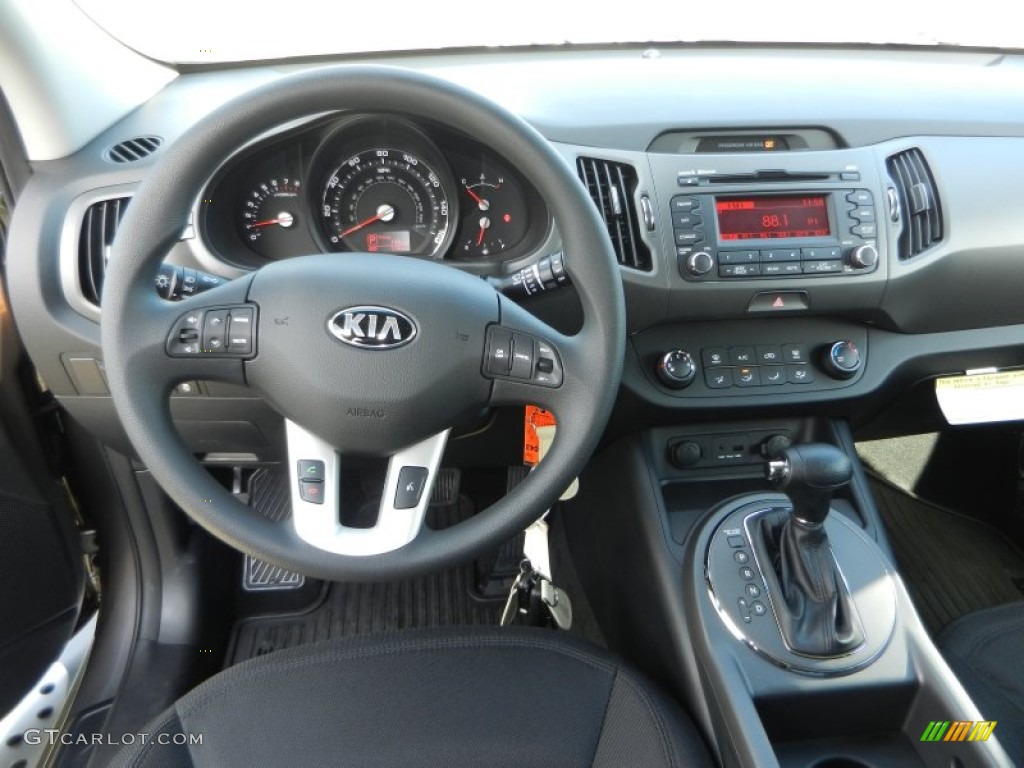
952 564
345 610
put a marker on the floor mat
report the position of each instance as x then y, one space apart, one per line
952 564
345 610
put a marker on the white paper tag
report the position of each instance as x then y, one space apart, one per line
547 436
981 398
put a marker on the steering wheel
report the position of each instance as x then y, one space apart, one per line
362 354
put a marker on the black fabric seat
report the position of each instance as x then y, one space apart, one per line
984 649
471 697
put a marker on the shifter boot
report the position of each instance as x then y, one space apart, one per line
812 603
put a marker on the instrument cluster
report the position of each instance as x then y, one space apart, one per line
371 184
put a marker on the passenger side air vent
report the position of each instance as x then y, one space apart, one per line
99 225
918 201
612 185
134 149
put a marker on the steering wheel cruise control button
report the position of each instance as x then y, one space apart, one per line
499 352
411 482
522 356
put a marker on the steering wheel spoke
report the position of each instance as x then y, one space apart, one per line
315 469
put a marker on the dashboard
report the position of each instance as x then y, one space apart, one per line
825 245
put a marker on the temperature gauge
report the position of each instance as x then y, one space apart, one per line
495 217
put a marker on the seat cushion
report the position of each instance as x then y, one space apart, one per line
467 697
984 649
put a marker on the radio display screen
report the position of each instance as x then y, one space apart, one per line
770 217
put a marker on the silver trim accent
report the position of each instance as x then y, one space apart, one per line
647 211
318 524
70 277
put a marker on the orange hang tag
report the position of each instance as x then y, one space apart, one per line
535 418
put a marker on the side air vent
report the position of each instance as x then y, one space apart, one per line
99 225
918 200
130 150
612 185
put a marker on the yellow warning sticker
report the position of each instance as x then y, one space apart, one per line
982 398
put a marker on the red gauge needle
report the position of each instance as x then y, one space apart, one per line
481 202
384 213
284 218
480 237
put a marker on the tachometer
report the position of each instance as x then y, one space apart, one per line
386 200
271 206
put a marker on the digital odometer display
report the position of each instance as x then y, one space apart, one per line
776 216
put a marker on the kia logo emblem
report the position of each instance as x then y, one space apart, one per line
372 327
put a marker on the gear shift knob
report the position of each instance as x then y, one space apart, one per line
810 474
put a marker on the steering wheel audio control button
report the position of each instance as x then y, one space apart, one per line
411 483
214 332
215 326
240 330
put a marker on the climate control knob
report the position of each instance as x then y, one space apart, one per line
699 263
864 256
676 369
842 360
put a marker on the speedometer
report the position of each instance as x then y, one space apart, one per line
386 200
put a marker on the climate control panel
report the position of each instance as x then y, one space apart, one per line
780 356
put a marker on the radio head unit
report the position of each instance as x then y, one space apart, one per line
771 234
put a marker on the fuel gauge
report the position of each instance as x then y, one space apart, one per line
495 217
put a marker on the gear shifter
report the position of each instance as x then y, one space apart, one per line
812 602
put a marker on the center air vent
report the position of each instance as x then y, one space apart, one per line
130 150
918 200
612 186
99 225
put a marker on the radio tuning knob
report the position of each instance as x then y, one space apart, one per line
699 263
676 369
864 256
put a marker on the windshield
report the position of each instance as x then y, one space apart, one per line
196 31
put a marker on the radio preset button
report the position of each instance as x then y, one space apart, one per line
865 230
821 254
860 197
863 214
781 254
739 257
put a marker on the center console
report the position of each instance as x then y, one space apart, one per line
744 565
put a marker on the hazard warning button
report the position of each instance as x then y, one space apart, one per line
780 301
